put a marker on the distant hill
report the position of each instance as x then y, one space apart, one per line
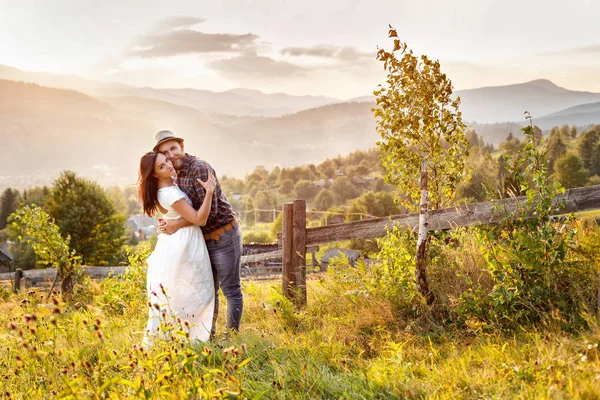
33 99
581 115
241 102
507 103
498 132
51 80
46 130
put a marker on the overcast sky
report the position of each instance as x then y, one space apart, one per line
302 47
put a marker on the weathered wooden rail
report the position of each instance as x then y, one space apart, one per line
295 236
37 276
249 270
296 240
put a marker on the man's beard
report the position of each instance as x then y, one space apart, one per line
177 163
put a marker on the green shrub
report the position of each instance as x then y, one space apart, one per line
257 237
536 275
127 291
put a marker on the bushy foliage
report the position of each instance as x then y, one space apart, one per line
122 293
32 225
528 268
528 252
257 237
84 212
419 120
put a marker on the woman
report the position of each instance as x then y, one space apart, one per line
180 282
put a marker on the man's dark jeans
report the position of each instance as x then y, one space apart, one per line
225 257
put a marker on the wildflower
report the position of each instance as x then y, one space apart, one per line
84 321
56 310
583 358
55 301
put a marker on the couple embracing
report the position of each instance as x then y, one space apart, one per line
199 247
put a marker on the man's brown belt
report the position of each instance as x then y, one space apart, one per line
217 234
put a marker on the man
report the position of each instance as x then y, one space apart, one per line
221 232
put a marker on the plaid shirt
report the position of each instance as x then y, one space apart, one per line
221 212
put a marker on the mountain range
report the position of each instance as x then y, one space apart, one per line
101 130
235 102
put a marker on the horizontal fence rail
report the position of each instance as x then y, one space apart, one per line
297 240
50 273
578 199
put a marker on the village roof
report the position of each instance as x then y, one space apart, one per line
351 255
5 252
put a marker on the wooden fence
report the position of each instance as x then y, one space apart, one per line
254 266
295 236
296 240
35 277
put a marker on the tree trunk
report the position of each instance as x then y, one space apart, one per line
67 282
420 270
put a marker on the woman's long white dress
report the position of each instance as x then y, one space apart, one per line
180 280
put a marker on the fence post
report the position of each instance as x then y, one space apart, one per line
18 277
287 237
299 255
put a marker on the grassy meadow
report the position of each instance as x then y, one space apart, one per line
349 342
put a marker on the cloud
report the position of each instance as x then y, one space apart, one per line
591 49
251 65
346 54
189 42
178 22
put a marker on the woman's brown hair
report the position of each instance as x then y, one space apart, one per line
148 184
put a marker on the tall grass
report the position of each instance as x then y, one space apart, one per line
359 337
